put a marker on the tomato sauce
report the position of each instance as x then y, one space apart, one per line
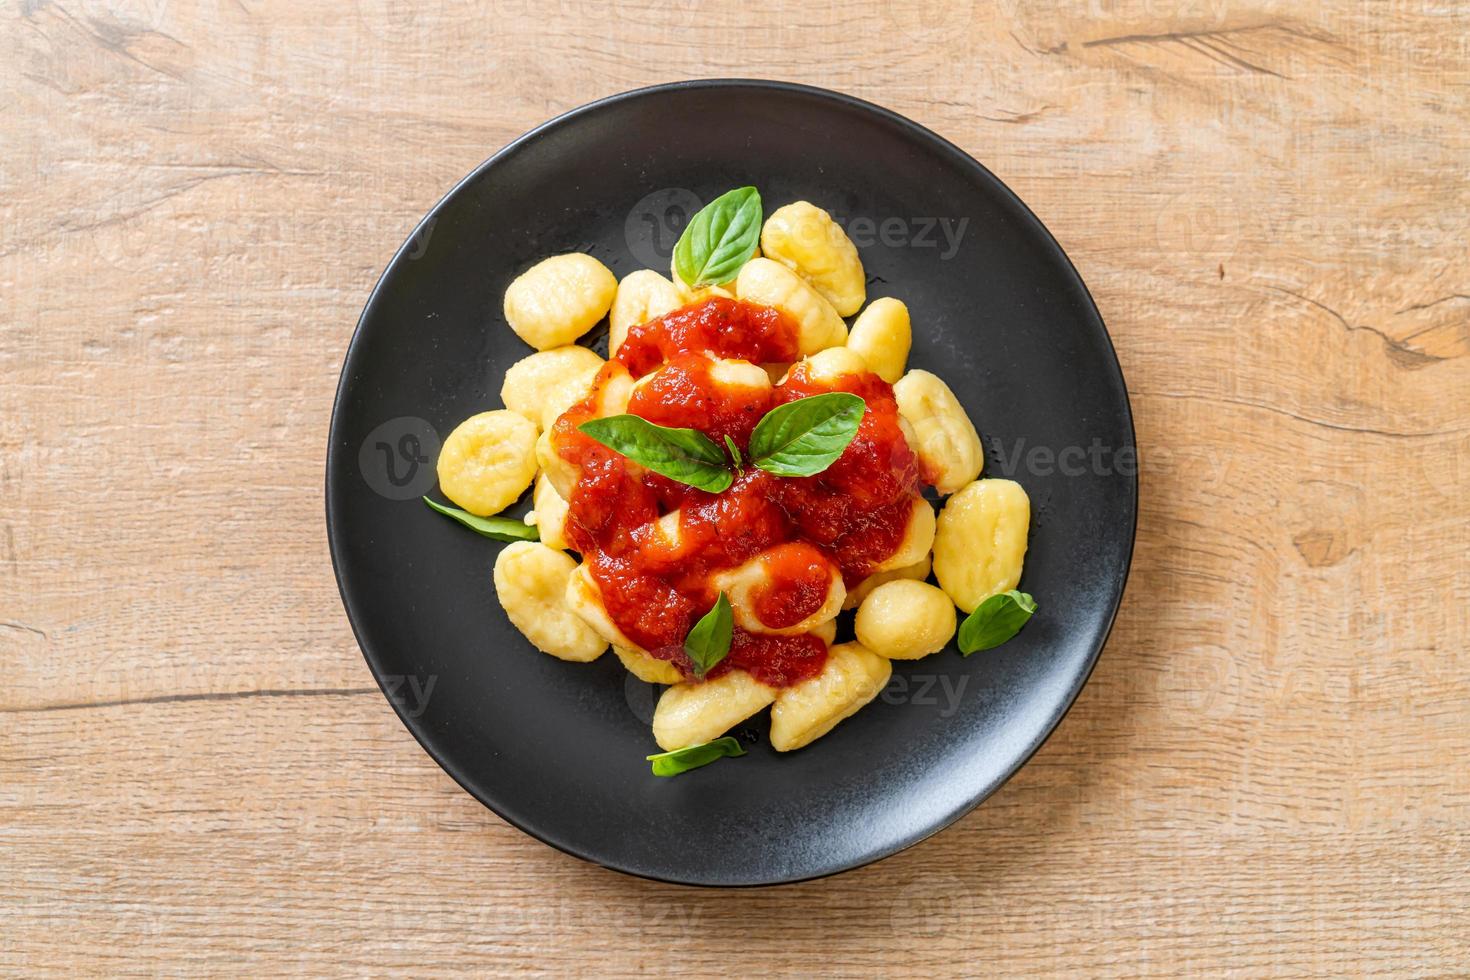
655 575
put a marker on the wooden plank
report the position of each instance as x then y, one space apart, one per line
1266 775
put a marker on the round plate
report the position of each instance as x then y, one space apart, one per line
557 749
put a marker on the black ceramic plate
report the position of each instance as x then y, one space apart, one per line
556 748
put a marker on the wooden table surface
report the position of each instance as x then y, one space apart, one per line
1269 773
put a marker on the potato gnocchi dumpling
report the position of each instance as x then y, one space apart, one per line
806 240
688 294
551 514
748 582
918 571
531 583
947 444
882 336
918 538
827 632
561 375
646 667
559 299
980 542
691 713
802 713
830 366
724 520
562 476
562 398
583 597
770 283
642 296
488 461
724 374
905 620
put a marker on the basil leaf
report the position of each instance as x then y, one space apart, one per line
694 756
995 620
708 641
734 452
804 437
499 528
686 455
719 239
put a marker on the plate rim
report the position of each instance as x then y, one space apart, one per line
844 100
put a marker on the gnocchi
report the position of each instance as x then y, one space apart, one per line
704 504
559 299
770 283
827 367
882 336
691 713
688 294
918 571
827 632
918 538
726 373
947 444
905 620
806 240
551 514
646 667
558 472
745 584
642 296
488 461
583 598
560 376
531 583
980 543
802 713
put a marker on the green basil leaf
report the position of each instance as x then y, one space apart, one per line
719 239
694 756
499 528
804 437
995 620
734 452
686 455
708 641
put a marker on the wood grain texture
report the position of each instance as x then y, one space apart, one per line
1267 774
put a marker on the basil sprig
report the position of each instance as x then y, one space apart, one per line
804 437
708 641
719 239
995 620
686 455
800 438
499 528
734 453
694 756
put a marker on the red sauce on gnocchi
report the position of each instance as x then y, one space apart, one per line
657 577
